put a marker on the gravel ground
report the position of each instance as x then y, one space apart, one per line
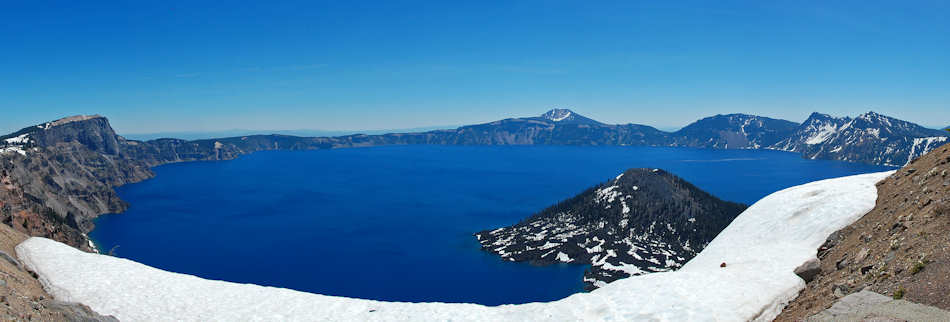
900 249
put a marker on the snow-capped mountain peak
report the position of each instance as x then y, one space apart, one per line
566 116
558 114
873 116
869 137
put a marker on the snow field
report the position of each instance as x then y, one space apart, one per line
761 248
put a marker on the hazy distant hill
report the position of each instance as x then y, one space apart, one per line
201 135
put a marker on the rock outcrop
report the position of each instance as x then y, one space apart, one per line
869 306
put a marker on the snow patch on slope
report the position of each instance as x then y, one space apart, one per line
923 145
15 144
13 149
561 117
823 133
762 247
19 140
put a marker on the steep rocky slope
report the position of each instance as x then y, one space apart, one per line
65 177
901 248
869 138
642 221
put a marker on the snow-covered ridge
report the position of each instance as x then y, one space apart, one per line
869 137
19 140
558 114
822 134
923 145
13 149
761 248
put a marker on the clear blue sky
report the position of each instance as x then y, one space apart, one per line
153 66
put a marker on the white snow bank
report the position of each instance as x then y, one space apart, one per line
20 139
12 149
761 249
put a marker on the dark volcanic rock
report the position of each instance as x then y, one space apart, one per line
645 220
809 270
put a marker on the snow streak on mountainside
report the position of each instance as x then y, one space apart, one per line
642 221
868 138
16 144
761 248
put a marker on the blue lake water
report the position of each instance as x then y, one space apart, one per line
395 223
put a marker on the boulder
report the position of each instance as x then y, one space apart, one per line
809 270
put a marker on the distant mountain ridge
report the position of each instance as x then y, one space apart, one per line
57 176
202 135
733 131
642 221
869 138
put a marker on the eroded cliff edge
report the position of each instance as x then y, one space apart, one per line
64 173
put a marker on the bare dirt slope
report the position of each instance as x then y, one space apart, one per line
901 248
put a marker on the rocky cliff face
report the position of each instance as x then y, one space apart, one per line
869 138
58 176
642 221
65 177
